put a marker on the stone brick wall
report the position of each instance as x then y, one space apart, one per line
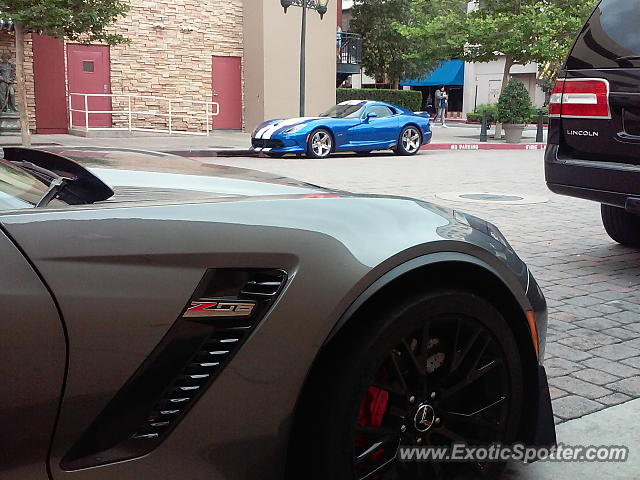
8 44
170 54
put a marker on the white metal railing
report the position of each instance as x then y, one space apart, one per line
199 110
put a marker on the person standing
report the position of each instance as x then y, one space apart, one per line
442 101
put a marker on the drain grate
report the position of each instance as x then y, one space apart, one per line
491 197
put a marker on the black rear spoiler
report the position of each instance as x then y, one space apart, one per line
84 186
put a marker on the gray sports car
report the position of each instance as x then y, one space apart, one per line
232 324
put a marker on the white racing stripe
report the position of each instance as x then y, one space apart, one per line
261 131
268 131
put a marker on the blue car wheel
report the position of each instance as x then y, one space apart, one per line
320 144
409 141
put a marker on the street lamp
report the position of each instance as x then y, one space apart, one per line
286 4
321 7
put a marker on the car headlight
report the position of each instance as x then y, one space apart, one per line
294 129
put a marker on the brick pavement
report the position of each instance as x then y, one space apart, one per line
591 283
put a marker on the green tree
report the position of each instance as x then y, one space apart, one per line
521 31
83 21
387 54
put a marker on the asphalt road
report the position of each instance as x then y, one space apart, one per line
593 350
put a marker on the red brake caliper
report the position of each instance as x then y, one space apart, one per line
372 410
373 407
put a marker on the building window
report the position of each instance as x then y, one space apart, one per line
87 67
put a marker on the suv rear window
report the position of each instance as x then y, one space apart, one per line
610 38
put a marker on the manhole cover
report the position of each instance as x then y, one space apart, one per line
491 197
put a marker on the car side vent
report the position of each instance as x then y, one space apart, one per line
189 383
264 284
224 310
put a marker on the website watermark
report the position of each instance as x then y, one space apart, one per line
497 452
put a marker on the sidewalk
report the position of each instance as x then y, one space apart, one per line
233 143
460 136
218 140
613 426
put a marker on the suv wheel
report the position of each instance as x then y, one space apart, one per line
623 227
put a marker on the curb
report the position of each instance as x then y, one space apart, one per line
215 153
485 146
432 146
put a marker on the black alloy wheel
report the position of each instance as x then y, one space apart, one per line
440 369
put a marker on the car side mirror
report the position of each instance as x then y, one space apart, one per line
371 115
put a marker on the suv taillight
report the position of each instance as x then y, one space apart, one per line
580 98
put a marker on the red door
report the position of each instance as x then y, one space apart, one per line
50 87
227 91
89 71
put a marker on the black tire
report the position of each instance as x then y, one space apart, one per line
409 141
320 144
333 431
621 226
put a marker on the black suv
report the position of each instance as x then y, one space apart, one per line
594 132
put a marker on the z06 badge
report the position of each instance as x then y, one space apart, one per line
219 308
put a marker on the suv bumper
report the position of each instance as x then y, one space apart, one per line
605 182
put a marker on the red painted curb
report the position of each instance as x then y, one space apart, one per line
485 146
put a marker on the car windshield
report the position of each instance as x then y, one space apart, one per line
344 111
18 189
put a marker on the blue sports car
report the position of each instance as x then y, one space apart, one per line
352 126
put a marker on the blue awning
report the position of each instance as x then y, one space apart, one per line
450 72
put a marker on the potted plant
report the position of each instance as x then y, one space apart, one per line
514 110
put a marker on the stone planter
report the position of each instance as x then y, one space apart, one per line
513 132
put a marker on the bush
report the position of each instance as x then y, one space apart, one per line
534 114
409 99
492 113
534 119
490 108
514 105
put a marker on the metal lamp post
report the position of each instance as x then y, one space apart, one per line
321 7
